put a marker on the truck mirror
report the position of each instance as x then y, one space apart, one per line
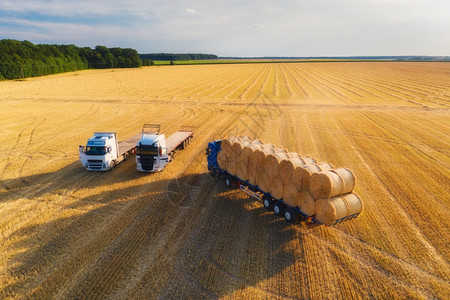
81 148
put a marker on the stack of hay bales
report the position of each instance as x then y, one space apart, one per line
333 191
315 188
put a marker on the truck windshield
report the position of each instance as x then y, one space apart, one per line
147 150
95 150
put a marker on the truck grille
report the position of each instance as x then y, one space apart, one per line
95 164
147 162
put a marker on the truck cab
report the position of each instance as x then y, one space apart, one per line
100 152
151 153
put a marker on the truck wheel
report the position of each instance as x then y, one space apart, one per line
112 165
291 216
267 202
278 209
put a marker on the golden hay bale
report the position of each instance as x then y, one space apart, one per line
331 183
276 187
308 205
307 160
291 195
293 155
330 210
244 138
262 180
267 146
287 168
238 147
257 142
245 170
226 145
222 160
308 170
256 164
280 150
272 163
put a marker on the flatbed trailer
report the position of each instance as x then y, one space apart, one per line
291 214
179 139
155 151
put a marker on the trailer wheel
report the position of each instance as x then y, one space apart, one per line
278 208
267 202
126 155
230 182
291 216
214 172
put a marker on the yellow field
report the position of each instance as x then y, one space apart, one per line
68 233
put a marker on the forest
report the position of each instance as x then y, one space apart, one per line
21 59
177 56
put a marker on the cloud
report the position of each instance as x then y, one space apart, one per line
232 27
257 26
190 11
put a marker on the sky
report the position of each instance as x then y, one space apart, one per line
245 28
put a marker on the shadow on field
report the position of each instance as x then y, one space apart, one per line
66 180
188 236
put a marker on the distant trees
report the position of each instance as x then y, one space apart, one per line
21 59
24 59
174 57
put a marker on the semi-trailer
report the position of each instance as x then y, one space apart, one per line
154 151
278 206
103 151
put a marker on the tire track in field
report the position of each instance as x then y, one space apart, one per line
285 81
144 188
399 208
137 229
418 232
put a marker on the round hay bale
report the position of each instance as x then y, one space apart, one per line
332 183
262 180
287 168
244 138
280 150
226 145
330 210
308 170
308 205
291 195
257 142
297 177
222 160
243 161
256 164
293 155
269 146
238 147
276 187
273 161
309 160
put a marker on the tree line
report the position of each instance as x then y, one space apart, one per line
174 56
21 59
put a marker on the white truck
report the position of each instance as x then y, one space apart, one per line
154 151
103 151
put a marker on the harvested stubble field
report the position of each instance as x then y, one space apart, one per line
68 233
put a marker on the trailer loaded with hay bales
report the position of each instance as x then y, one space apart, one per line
295 187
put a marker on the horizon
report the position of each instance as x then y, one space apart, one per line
288 28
